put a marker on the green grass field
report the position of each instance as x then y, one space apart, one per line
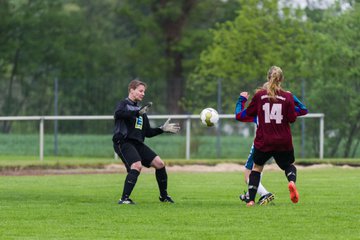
207 207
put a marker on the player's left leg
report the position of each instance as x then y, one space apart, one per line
162 179
254 180
265 196
260 159
151 159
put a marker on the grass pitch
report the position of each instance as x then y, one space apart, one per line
207 207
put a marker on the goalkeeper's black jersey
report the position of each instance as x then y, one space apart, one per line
129 125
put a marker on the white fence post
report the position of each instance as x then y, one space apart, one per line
188 135
321 154
41 153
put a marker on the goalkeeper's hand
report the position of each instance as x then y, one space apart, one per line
145 108
170 127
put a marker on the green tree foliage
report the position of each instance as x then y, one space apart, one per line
167 37
26 59
242 50
75 41
319 50
94 48
92 75
335 65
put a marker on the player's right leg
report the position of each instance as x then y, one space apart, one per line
290 173
285 161
130 182
247 170
245 197
294 195
132 161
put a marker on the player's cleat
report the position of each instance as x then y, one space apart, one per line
250 204
267 198
166 199
294 195
126 201
244 197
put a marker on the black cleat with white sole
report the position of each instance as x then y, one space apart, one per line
166 199
126 201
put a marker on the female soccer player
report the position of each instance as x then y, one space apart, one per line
275 110
131 127
265 196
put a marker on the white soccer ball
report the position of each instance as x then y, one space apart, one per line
209 117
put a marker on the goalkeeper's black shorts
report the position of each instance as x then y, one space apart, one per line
134 151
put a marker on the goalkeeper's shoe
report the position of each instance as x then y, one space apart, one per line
294 195
265 199
166 199
244 197
126 201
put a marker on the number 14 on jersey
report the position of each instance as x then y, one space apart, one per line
275 113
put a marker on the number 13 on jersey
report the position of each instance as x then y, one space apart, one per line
275 113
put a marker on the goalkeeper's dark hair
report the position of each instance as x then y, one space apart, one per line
135 83
274 78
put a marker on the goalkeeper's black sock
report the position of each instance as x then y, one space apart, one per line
290 173
161 178
130 182
254 180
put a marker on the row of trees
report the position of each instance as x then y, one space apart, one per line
95 48
181 49
317 49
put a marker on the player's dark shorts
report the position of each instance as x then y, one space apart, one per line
134 151
283 159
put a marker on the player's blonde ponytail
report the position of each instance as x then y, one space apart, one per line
274 78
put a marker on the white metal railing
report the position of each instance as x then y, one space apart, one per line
188 118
